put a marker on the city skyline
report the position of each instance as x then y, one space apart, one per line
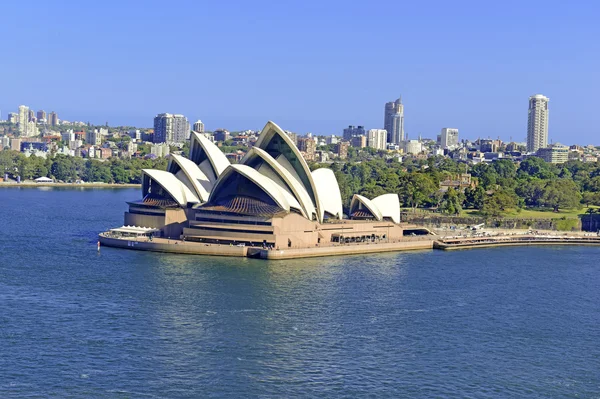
321 67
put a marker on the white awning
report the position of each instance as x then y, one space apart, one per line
134 230
44 180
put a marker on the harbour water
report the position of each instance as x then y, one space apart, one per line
498 322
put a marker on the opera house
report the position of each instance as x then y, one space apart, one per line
270 200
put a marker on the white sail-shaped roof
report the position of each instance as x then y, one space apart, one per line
266 164
280 197
209 158
328 192
389 206
198 181
278 145
360 202
175 188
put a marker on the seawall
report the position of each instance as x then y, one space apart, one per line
507 241
184 247
357 249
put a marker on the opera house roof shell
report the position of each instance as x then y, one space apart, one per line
272 178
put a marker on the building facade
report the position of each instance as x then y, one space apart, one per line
537 123
393 121
52 119
308 146
358 141
352 131
556 153
93 137
341 149
171 128
449 138
377 138
221 135
198 126
413 147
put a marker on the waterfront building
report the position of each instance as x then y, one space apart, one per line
393 121
449 138
377 138
198 126
171 128
537 123
270 199
555 153
352 131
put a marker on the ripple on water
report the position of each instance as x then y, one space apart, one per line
516 322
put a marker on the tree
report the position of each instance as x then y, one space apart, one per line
590 198
416 188
499 202
474 197
562 193
536 167
531 191
451 202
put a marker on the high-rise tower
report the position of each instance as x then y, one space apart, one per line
393 121
171 128
537 123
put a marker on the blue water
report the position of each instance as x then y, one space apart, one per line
505 322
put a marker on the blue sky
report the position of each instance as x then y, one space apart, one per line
311 66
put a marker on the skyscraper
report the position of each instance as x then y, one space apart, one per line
170 128
27 127
449 137
23 119
41 115
537 123
393 121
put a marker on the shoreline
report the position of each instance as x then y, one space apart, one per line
70 185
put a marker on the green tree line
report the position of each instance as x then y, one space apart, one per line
71 169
